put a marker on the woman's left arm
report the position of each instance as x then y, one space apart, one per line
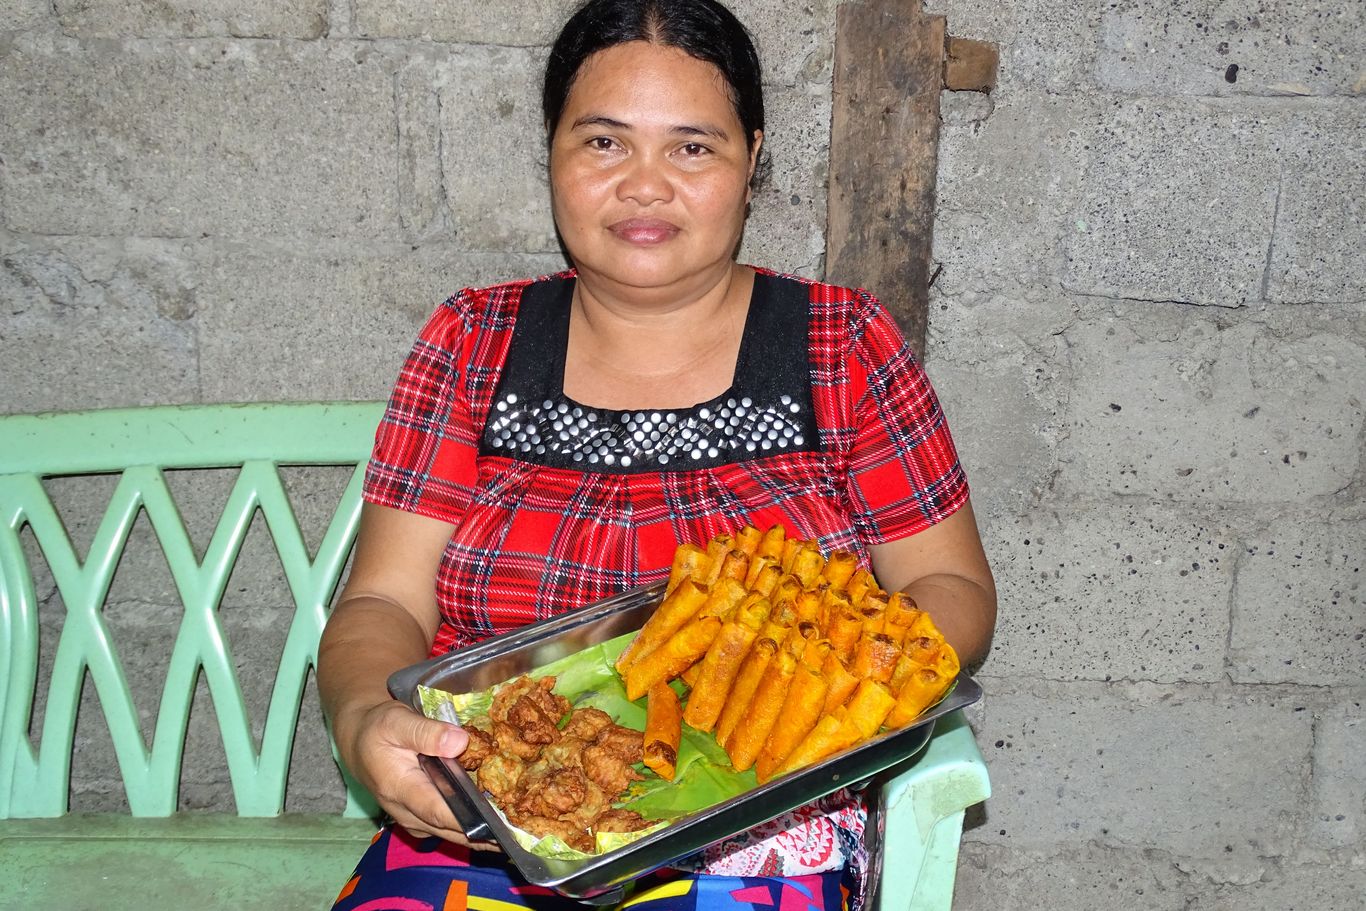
945 570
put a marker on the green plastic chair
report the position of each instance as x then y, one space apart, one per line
155 857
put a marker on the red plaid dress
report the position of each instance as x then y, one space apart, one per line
830 428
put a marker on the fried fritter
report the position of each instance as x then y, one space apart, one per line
587 724
532 722
624 743
542 826
500 775
607 769
557 792
621 821
538 691
567 753
509 741
481 747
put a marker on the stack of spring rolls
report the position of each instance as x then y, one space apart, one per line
790 656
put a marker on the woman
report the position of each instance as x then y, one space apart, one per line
549 443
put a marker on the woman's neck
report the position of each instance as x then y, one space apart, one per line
655 351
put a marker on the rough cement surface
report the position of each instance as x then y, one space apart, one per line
193 18
1148 333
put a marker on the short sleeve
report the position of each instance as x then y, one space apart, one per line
903 470
424 455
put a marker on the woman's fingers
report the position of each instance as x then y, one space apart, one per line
412 731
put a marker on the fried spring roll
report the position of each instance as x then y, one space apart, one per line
790 548
717 548
663 730
833 601
816 651
719 668
734 565
789 587
808 605
690 562
802 706
843 628
896 633
785 612
841 683
672 656
875 658
771 544
860 584
901 609
747 540
905 667
921 690
872 621
829 736
922 625
723 599
807 565
764 573
677 608
746 682
748 739
690 675
839 568
868 707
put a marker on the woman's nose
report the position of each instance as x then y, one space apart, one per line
645 180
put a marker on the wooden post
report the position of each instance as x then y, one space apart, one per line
889 69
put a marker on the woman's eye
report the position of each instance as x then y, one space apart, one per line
601 143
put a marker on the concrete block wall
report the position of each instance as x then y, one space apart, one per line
1149 332
1150 335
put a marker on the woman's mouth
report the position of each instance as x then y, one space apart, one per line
644 231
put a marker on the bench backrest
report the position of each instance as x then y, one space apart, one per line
139 445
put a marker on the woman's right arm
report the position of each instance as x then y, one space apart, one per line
386 620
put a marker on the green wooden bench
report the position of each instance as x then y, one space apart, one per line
154 857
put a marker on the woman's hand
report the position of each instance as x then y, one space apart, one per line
386 620
381 752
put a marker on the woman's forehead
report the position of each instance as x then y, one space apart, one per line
645 82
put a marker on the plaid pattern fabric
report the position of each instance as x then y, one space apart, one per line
531 541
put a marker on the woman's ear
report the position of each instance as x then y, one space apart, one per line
754 162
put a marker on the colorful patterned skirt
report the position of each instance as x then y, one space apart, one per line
402 873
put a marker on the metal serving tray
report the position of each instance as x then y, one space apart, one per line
600 879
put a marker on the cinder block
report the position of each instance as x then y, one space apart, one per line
527 24
95 323
1108 591
1000 366
786 227
1085 877
1212 780
16 15
1336 887
1338 821
796 41
1243 47
1009 176
1177 204
1319 251
1043 43
493 152
193 18
330 325
1213 406
180 139
1298 604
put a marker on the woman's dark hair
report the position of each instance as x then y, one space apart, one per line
703 29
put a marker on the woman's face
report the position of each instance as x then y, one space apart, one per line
649 171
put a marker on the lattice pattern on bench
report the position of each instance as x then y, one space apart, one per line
141 444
